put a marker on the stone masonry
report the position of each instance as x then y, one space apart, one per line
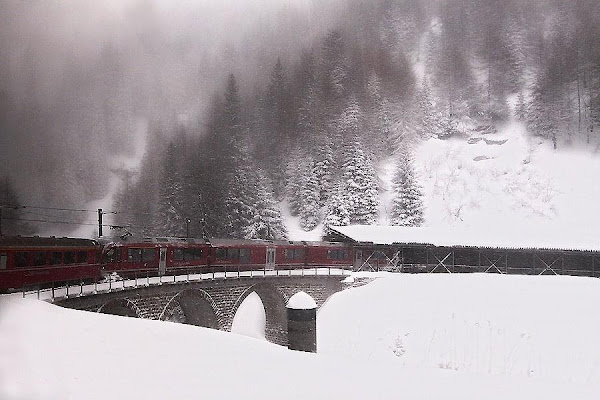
211 303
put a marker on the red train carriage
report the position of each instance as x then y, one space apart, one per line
155 256
264 254
291 255
329 254
33 262
230 254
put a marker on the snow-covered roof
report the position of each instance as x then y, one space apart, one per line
494 237
301 301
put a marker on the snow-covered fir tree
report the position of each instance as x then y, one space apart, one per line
359 185
521 108
428 121
171 219
337 209
293 177
309 196
324 165
407 208
267 222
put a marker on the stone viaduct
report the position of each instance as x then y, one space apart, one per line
211 303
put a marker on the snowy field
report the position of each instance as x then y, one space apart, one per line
500 183
481 183
401 336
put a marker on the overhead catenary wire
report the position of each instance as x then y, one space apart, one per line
66 222
24 207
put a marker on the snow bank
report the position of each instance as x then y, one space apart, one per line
418 337
513 326
521 183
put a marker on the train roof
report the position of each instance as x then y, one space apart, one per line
38 241
133 240
492 237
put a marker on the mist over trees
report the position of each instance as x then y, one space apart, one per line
293 101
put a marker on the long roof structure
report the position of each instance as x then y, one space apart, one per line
521 238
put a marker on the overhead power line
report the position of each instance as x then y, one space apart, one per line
24 207
65 222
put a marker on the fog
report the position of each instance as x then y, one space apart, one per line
78 79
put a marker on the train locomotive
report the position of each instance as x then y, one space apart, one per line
36 262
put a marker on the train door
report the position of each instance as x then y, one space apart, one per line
3 258
162 261
358 259
270 265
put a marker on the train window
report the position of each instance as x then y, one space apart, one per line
69 257
178 254
39 258
22 259
134 255
244 255
198 254
220 253
295 254
82 257
233 254
188 254
3 258
148 255
55 258
337 254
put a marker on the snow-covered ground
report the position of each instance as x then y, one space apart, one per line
502 182
401 336
522 182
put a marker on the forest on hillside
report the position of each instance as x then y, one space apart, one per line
314 117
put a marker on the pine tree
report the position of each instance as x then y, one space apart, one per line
428 123
520 108
267 222
335 72
171 218
337 209
309 196
324 167
381 120
293 177
407 209
359 185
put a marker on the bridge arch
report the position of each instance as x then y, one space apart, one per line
122 307
193 307
274 301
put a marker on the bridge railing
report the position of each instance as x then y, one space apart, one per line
115 282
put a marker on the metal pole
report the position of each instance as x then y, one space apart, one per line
99 222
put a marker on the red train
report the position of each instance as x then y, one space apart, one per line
33 262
